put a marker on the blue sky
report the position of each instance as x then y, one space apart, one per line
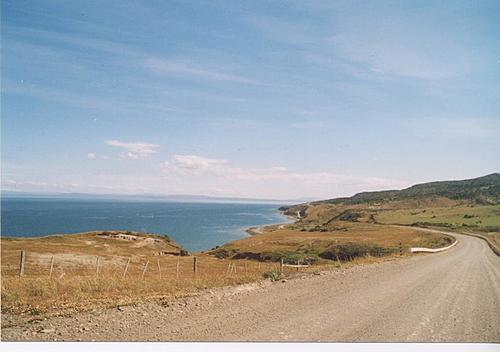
284 99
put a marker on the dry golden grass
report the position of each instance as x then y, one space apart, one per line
91 243
82 287
276 238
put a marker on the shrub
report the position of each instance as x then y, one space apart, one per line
248 255
349 215
223 253
272 275
289 257
349 251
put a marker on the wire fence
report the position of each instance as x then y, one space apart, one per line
169 268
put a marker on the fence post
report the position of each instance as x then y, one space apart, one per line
126 267
51 266
281 265
400 249
144 270
195 264
21 263
177 268
159 268
97 266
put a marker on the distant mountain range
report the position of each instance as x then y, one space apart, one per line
145 197
485 189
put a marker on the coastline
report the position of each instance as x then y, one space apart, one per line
260 229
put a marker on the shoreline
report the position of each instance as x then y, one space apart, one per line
260 229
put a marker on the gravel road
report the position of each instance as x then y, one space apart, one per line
453 296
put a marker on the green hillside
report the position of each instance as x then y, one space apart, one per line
482 190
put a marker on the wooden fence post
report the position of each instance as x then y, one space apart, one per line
281 265
21 263
97 266
177 268
195 264
144 270
159 268
231 268
51 266
126 267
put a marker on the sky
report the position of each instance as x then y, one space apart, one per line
260 99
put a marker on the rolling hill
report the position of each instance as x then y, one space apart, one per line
482 190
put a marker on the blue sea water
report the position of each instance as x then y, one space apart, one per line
195 226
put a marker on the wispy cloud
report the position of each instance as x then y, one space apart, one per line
267 178
184 68
406 43
91 156
74 40
195 163
134 150
80 100
364 45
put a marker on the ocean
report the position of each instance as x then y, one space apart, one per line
196 226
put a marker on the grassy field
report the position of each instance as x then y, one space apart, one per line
82 248
346 240
479 217
482 219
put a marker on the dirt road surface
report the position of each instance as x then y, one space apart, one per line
452 296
